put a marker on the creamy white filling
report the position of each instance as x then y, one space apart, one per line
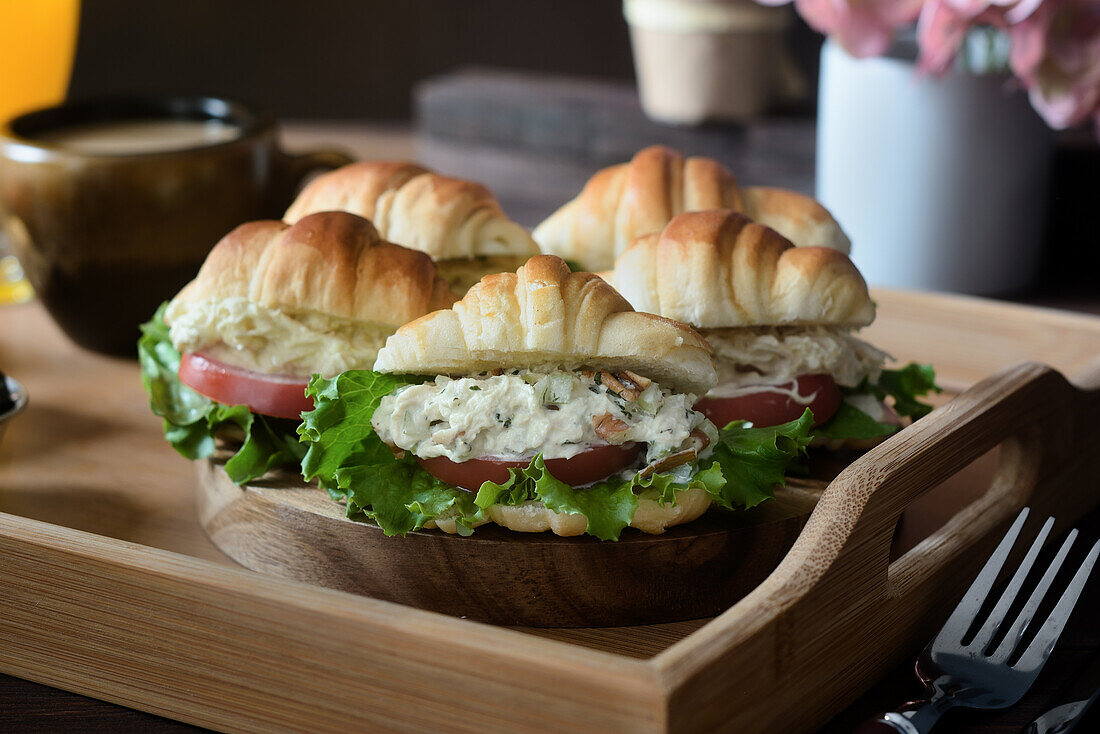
788 389
752 357
520 414
870 405
245 334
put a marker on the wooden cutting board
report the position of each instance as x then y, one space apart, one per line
282 526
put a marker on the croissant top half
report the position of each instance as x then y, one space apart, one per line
544 315
447 218
719 269
629 200
332 263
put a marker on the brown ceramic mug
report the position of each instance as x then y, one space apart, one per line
112 205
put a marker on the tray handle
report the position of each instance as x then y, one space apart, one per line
1044 427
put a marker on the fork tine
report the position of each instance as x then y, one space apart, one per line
1000 612
1023 619
957 624
1037 652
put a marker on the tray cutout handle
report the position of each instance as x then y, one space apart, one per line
1004 495
1041 424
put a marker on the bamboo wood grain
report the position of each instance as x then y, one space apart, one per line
231 649
189 637
830 619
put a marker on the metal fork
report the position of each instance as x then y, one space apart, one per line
971 675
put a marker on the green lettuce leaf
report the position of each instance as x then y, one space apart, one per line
191 419
338 428
401 497
906 385
608 505
753 460
849 422
903 386
353 464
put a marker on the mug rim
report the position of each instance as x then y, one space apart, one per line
17 133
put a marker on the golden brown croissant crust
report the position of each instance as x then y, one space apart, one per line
544 315
718 269
352 188
629 200
799 218
625 201
332 263
448 218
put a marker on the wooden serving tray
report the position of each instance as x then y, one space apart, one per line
109 588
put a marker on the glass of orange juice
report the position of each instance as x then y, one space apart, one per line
37 45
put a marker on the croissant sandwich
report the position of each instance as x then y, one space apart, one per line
272 305
781 320
629 200
540 401
458 223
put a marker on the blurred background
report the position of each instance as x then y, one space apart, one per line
531 98
337 59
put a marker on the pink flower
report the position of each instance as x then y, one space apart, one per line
943 25
863 27
1015 10
1056 53
940 31
1055 44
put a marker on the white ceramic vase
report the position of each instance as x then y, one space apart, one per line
940 182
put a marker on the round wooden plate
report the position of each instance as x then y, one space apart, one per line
284 527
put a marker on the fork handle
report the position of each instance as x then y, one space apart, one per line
919 717
896 724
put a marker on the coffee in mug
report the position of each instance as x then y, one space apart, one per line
140 136
113 205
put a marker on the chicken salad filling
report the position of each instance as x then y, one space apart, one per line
555 413
778 355
243 333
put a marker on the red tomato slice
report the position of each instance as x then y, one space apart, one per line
586 467
766 408
281 396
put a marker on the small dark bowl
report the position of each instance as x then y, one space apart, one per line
18 396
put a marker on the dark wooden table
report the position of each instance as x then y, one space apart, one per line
29 707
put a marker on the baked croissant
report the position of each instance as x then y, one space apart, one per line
799 218
543 314
626 201
321 295
458 223
719 269
778 317
333 263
